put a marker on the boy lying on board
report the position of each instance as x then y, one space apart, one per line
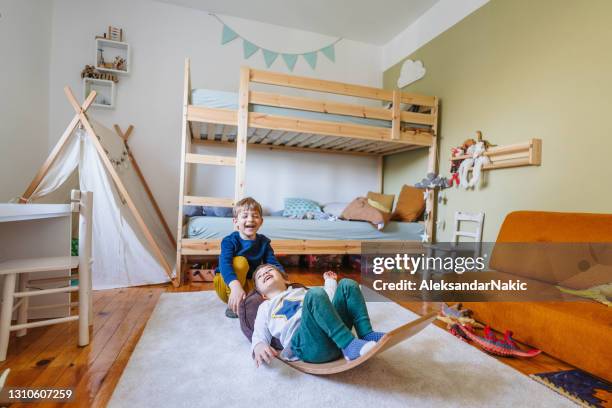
313 325
241 252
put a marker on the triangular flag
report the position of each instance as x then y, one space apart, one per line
311 58
290 60
269 57
329 52
249 48
227 35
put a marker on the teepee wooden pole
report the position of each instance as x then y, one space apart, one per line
122 190
42 172
125 136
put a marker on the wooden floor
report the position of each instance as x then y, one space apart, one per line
49 356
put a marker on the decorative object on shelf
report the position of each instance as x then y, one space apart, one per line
112 56
119 64
499 157
91 72
115 33
410 72
249 49
474 162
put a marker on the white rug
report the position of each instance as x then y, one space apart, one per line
191 355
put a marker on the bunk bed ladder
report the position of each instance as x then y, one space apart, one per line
188 158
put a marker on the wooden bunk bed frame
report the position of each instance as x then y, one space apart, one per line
211 126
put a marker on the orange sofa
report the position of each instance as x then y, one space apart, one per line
578 332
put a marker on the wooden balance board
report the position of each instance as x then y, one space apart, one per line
389 340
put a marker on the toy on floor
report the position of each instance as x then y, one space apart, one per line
457 315
491 344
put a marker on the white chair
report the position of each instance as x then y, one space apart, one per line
18 300
462 217
455 248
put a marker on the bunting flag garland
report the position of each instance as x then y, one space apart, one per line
249 49
290 60
269 57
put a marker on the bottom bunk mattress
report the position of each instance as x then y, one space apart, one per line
288 228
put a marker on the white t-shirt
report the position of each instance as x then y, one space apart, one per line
281 316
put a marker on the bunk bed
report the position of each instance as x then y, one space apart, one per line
279 122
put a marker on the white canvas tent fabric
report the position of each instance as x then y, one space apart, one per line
122 255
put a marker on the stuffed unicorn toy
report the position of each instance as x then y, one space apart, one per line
475 162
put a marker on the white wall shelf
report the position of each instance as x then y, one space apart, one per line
105 90
110 50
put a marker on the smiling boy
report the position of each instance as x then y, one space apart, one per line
313 325
242 252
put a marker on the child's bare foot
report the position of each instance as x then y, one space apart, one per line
330 275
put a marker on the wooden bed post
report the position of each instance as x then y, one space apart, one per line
184 171
396 115
432 167
381 175
241 135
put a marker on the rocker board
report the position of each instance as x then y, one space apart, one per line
389 340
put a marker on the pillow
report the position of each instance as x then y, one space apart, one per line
360 210
385 200
334 209
193 210
410 204
218 211
599 293
297 207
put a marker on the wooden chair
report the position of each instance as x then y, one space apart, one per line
18 300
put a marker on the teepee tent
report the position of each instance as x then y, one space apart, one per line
132 244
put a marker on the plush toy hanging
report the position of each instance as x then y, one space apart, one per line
475 162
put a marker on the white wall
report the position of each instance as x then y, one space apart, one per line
25 32
150 98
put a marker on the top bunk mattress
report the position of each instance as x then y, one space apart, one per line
229 100
287 228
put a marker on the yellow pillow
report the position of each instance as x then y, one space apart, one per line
384 201
410 204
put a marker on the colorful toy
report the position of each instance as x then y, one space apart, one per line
452 315
491 344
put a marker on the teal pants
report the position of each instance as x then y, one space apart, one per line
326 325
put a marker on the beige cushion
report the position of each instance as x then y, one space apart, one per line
410 204
385 200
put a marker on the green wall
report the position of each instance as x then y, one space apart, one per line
517 70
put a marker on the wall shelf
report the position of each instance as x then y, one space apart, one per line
110 50
517 155
105 90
